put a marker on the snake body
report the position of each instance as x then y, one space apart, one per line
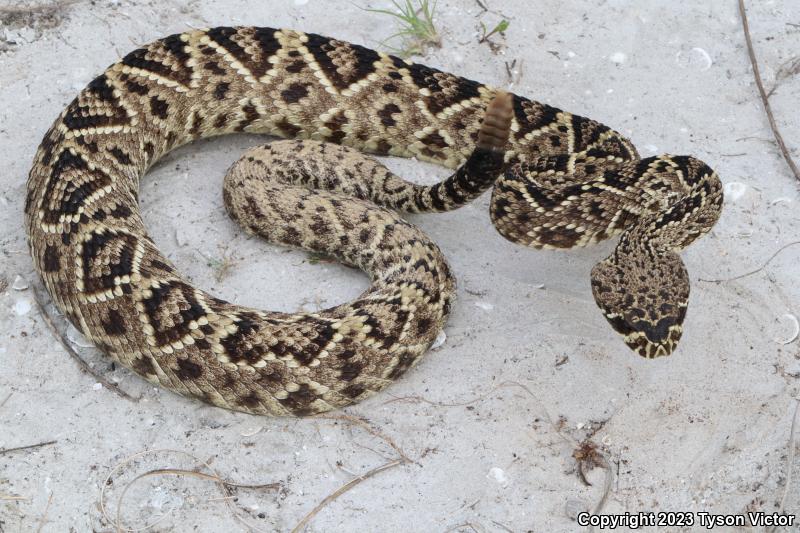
559 180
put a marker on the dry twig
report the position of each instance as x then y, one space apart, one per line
12 498
28 447
759 269
44 516
502 526
763 93
463 525
420 399
789 461
341 490
224 484
36 9
402 459
371 430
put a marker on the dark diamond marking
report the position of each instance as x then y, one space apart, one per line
78 185
353 391
221 90
120 249
532 116
188 370
147 59
122 157
299 401
386 113
98 93
176 301
114 323
251 401
360 63
265 37
350 371
336 125
250 116
143 366
445 89
239 346
586 132
404 363
158 107
295 92
51 261
287 128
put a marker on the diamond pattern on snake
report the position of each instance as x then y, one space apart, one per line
558 181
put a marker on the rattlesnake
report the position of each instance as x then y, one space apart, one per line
560 181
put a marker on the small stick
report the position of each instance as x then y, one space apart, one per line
224 485
440 404
504 527
44 516
44 8
789 461
759 269
344 488
510 74
203 475
463 524
28 447
71 351
6 399
763 93
371 430
12 498
608 484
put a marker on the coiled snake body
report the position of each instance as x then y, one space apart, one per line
559 181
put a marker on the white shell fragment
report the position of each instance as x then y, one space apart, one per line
498 475
734 190
77 338
795 328
439 341
618 58
695 58
19 284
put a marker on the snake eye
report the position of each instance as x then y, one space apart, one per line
619 324
666 308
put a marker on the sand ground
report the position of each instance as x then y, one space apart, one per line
529 368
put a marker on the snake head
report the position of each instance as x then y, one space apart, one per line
644 297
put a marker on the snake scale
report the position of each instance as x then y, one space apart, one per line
559 181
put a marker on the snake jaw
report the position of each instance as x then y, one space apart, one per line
655 340
647 338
